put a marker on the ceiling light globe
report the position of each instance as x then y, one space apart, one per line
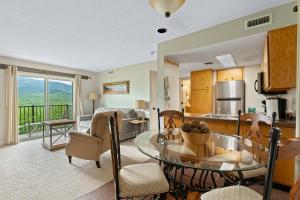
166 7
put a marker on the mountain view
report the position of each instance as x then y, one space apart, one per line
31 91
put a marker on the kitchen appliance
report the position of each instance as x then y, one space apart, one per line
277 105
259 86
230 97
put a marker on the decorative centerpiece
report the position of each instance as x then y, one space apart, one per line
196 136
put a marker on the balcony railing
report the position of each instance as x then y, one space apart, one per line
31 118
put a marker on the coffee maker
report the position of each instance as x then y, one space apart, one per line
278 105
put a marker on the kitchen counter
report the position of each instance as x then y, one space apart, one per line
199 116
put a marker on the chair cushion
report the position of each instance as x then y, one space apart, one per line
231 193
142 179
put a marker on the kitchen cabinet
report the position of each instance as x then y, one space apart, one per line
280 59
230 74
201 91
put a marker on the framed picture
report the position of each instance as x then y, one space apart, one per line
116 87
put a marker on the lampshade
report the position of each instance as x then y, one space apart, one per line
166 7
140 104
93 96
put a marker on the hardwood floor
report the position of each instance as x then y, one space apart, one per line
106 192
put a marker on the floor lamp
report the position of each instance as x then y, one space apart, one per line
93 96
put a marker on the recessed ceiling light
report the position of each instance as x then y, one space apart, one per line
209 63
152 52
162 30
226 60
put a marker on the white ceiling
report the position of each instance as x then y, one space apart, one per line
99 35
247 51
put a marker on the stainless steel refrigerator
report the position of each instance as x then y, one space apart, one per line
230 97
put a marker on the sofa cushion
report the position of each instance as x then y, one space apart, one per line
127 112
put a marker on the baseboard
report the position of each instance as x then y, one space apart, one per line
282 187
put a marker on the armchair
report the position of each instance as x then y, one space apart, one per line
90 147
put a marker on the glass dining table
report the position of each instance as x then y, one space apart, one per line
201 162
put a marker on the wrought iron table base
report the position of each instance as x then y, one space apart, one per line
198 181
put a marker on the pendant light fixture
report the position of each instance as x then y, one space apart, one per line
166 7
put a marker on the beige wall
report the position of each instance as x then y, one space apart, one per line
139 77
2 106
172 71
87 85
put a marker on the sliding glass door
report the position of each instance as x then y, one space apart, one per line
60 99
40 99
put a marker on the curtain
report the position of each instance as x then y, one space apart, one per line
77 98
11 105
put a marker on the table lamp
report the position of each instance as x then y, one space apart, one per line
93 96
140 105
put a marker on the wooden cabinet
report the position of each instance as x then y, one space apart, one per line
230 74
201 101
201 79
280 59
201 91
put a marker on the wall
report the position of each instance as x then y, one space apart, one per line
87 85
282 16
139 77
254 100
2 106
172 72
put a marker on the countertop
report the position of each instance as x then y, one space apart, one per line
200 116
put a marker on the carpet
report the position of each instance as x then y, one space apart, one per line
28 171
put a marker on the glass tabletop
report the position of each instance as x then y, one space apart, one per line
213 151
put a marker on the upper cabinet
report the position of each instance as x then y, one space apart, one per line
280 58
230 74
201 91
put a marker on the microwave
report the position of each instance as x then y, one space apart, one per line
259 86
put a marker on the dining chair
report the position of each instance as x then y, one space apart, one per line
254 133
135 180
285 150
169 116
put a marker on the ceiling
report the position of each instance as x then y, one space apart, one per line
247 51
98 35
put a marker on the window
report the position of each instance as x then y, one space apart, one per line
40 99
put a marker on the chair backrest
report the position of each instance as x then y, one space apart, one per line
294 193
169 117
288 149
273 149
285 150
254 131
100 127
115 151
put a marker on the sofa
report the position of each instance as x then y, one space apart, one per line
129 114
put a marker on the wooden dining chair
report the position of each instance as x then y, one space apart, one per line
285 150
255 120
169 116
254 133
135 180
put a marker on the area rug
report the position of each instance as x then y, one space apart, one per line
28 171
